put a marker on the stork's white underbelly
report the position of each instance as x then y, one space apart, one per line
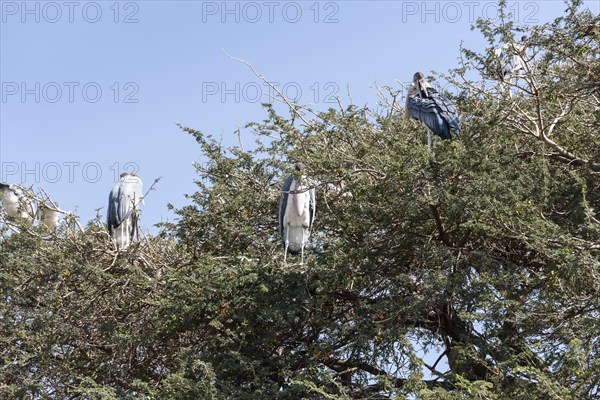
296 220
122 234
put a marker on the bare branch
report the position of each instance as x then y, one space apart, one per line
292 106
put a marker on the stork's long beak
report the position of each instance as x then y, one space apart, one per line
422 88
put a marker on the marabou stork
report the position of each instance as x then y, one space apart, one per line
123 202
432 109
296 212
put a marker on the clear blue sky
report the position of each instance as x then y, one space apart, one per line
88 87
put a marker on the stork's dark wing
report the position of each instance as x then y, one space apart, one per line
118 207
283 202
447 110
109 214
312 206
112 215
426 111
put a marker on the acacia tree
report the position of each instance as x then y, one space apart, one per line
484 255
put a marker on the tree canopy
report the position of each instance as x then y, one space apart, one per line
472 272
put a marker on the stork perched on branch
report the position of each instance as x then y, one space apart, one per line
510 60
509 63
16 202
296 212
123 202
432 109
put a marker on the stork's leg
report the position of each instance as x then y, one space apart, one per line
287 242
136 226
130 231
429 140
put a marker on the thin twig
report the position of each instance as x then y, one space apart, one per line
292 106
